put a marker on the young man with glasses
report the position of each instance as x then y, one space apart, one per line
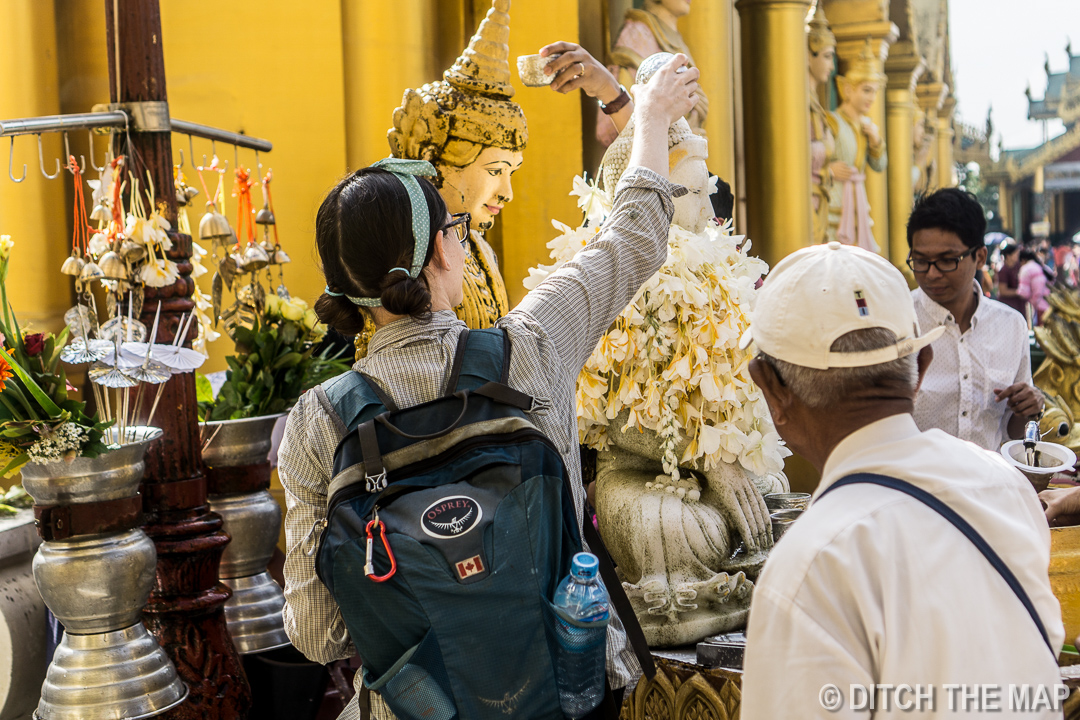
979 386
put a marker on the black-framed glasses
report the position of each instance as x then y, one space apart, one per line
460 226
943 265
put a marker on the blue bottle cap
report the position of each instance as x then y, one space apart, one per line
584 566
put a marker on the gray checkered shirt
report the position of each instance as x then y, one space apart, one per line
553 332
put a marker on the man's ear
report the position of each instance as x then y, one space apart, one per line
980 257
777 395
926 356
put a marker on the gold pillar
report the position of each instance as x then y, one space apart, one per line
777 141
34 212
387 47
945 137
903 69
708 32
553 155
930 96
1005 208
854 22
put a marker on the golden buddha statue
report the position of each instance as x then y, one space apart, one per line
645 32
859 146
469 129
822 46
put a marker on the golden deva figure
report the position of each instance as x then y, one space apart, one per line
467 126
859 148
644 32
822 45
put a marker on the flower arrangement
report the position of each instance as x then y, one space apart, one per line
39 423
274 363
671 359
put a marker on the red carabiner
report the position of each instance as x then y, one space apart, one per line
369 566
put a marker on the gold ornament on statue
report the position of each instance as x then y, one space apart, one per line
467 126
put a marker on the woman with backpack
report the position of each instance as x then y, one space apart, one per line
388 247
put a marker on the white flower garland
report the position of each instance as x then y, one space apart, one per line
671 359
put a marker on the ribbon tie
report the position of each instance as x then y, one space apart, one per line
406 171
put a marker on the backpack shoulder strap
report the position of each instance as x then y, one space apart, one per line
482 356
353 398
961 524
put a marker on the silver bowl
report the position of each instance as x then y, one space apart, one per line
1053 459
253 614
232 443
111 476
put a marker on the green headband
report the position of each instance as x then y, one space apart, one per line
406 171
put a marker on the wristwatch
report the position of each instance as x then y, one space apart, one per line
617 104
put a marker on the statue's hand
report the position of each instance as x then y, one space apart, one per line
730 490
873 134
841 171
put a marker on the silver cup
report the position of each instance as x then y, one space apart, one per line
787 501
782 521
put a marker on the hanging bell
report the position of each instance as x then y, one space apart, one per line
268 246
264 216
112 266
132 251
280 256
72 266
99 214
190 193
238 260
213 224
90 272
255 258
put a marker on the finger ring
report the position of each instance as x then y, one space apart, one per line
582 73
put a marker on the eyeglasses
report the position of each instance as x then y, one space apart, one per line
943 265
460 226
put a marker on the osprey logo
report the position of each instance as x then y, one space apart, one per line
451 517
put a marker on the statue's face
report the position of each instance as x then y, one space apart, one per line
678 8
693 210
481 188
861 97
918 132
822 65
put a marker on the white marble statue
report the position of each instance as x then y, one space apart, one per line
686 446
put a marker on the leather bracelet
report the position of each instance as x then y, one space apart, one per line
617 104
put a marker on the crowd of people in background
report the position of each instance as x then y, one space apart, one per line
1020 275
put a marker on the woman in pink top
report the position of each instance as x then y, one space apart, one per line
1034 285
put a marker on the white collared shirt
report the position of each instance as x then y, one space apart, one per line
957 393
871 586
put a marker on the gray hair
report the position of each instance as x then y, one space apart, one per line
821 388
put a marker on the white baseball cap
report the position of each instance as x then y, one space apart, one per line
819 293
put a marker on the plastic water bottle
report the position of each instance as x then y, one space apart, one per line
582 602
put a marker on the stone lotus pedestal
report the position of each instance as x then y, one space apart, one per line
238 480
95 570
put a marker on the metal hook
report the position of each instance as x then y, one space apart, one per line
258 163
99 169
41 162
181 165
236 157
11 156
191 152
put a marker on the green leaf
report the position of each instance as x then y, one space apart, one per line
13 466
204 391
287 360
47 404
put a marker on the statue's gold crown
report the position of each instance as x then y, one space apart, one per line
866 67
818 35
471 104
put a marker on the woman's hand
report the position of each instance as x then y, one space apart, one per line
576 69
666 98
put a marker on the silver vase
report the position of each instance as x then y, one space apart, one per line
253 521
107 666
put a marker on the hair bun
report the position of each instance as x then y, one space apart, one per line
407 296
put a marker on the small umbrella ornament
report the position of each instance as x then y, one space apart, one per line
79 351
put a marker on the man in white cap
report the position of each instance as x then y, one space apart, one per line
875 585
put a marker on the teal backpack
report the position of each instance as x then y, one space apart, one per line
449 525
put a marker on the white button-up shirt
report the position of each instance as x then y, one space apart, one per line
957 393
871 586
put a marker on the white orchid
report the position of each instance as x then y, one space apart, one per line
671 359
158 272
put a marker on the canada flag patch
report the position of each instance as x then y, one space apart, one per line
470 567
